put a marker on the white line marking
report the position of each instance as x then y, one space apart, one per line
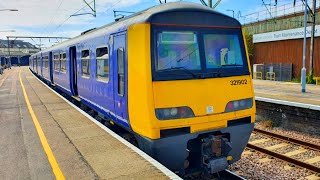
288 103
162 168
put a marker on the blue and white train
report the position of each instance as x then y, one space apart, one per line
177 76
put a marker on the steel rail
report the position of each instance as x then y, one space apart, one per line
285 158
285 138
227 174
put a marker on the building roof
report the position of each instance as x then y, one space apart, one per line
16 44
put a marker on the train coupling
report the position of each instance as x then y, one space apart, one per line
214 150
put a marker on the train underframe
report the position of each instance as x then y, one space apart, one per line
210 151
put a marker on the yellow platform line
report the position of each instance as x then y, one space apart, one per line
52 160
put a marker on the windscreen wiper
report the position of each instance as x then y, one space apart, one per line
230 65
226 65
183 69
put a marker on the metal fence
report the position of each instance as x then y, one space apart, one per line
273 71
272 12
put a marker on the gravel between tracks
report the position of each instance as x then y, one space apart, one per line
250 167
315 139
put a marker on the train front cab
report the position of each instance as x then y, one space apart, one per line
190 109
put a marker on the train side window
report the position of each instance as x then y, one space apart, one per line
63 62
45 61
102 64
56 61
34 62
39 61
85 63
120 60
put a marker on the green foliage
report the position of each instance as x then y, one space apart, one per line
310 79
250 44
296 80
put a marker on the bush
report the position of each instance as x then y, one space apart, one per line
310 79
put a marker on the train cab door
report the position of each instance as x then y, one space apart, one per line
73 70
120 93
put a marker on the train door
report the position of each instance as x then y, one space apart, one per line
119 59
41 65
50 67
73 70
37 65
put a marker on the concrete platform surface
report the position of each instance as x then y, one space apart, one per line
287 91
82 149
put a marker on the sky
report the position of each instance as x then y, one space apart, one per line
52 17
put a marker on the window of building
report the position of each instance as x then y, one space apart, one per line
56 62
63 62
85 63
102 64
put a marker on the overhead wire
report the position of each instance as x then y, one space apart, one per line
105 12
61 24
45 29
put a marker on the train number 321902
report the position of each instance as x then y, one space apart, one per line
238 82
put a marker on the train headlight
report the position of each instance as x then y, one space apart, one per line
174 113
239 105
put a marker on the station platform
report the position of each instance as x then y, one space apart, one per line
44 137
287 93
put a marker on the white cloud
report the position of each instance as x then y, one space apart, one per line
48 13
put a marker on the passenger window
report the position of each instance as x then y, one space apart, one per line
45 62
102 64
34 62
120 71
85 62
39 62
63 62
56 61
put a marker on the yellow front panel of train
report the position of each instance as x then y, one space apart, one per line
201 94
206 97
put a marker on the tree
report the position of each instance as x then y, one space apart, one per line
249 42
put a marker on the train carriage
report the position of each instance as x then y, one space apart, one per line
176 76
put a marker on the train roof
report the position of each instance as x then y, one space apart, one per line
164 13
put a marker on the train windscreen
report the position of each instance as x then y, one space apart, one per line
198 54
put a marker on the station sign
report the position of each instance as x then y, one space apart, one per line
284 35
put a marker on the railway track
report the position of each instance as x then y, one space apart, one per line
223 175
226 174
287 149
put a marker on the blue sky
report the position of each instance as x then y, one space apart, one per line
52 17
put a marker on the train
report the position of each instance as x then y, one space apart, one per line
176 76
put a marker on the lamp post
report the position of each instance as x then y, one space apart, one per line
232 12
303 70
7 31
8 9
